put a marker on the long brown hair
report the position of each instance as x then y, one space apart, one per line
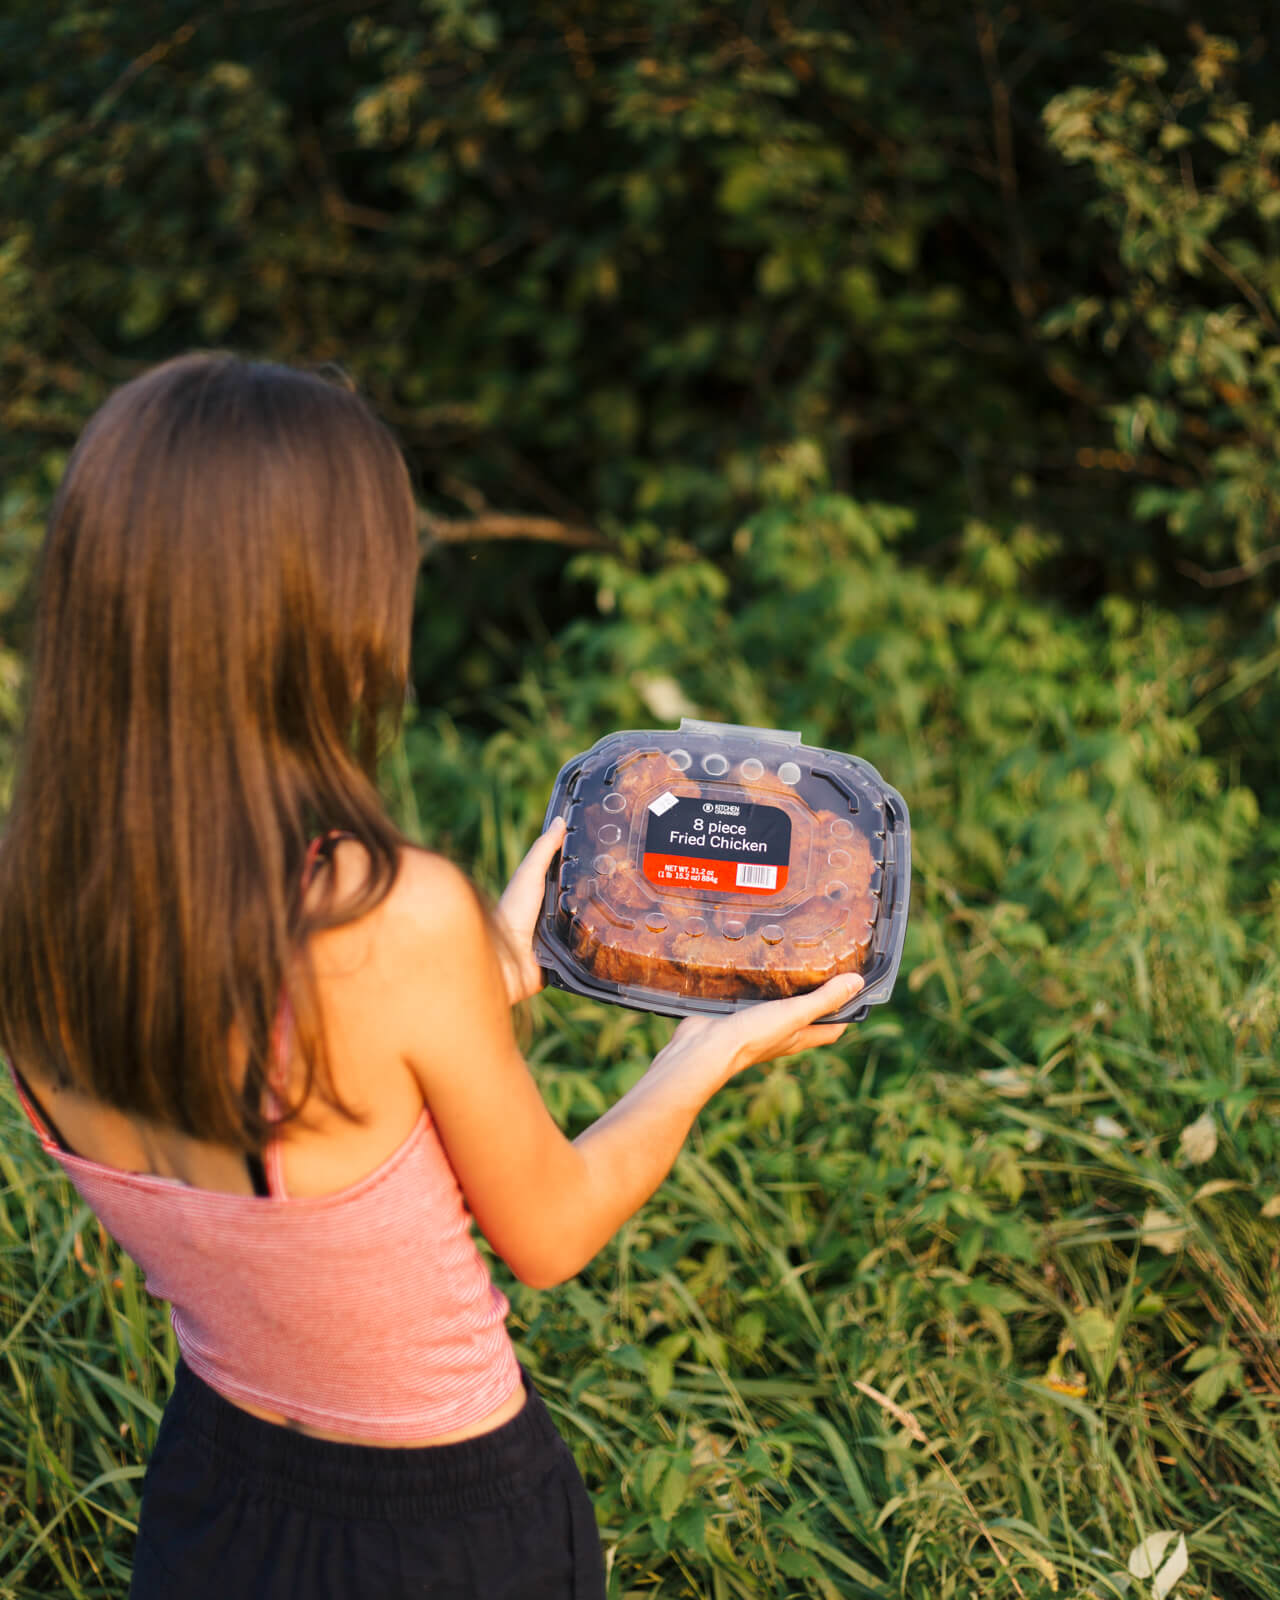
222 638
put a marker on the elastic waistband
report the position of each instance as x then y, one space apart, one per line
368 1481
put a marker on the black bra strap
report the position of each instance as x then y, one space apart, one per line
48 1121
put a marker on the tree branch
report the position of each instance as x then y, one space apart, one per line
1226 576
496 525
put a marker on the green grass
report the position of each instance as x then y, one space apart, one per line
970 1306
782 1378
818 1399
87 1361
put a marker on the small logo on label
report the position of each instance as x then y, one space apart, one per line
664 802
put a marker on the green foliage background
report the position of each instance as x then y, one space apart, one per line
906 374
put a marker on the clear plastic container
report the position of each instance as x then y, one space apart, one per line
714 866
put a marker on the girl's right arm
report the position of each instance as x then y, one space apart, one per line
545 1203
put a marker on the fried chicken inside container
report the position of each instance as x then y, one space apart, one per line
695 875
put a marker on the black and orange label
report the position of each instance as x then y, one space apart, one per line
716 844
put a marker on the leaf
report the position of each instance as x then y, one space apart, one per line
1145 1559
969 1246
1206 1356
749 1330
655 1464
1147 1556
745 187
1163 1232
1154 502
1005 1171
860 293
1173 136
1220 1369
1173 1569
1198 1141
217 315
1223 135
146 308
691 1529
775 275
898 247
673 1489
1094 1333
1216 1186
759 1459
661 1372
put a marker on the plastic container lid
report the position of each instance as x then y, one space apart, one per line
711 867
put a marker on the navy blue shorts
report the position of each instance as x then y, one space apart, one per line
232 1505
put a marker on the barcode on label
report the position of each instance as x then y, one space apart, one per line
754 877
664 802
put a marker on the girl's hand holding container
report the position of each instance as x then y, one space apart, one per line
518 911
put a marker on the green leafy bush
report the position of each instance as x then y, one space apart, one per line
1190 188
586 262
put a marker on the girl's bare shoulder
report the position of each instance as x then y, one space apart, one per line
430 907
390 979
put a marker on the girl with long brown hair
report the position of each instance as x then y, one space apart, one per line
270 1041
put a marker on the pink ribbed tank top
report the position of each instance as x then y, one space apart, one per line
368 1312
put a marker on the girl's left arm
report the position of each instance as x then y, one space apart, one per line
547 1204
